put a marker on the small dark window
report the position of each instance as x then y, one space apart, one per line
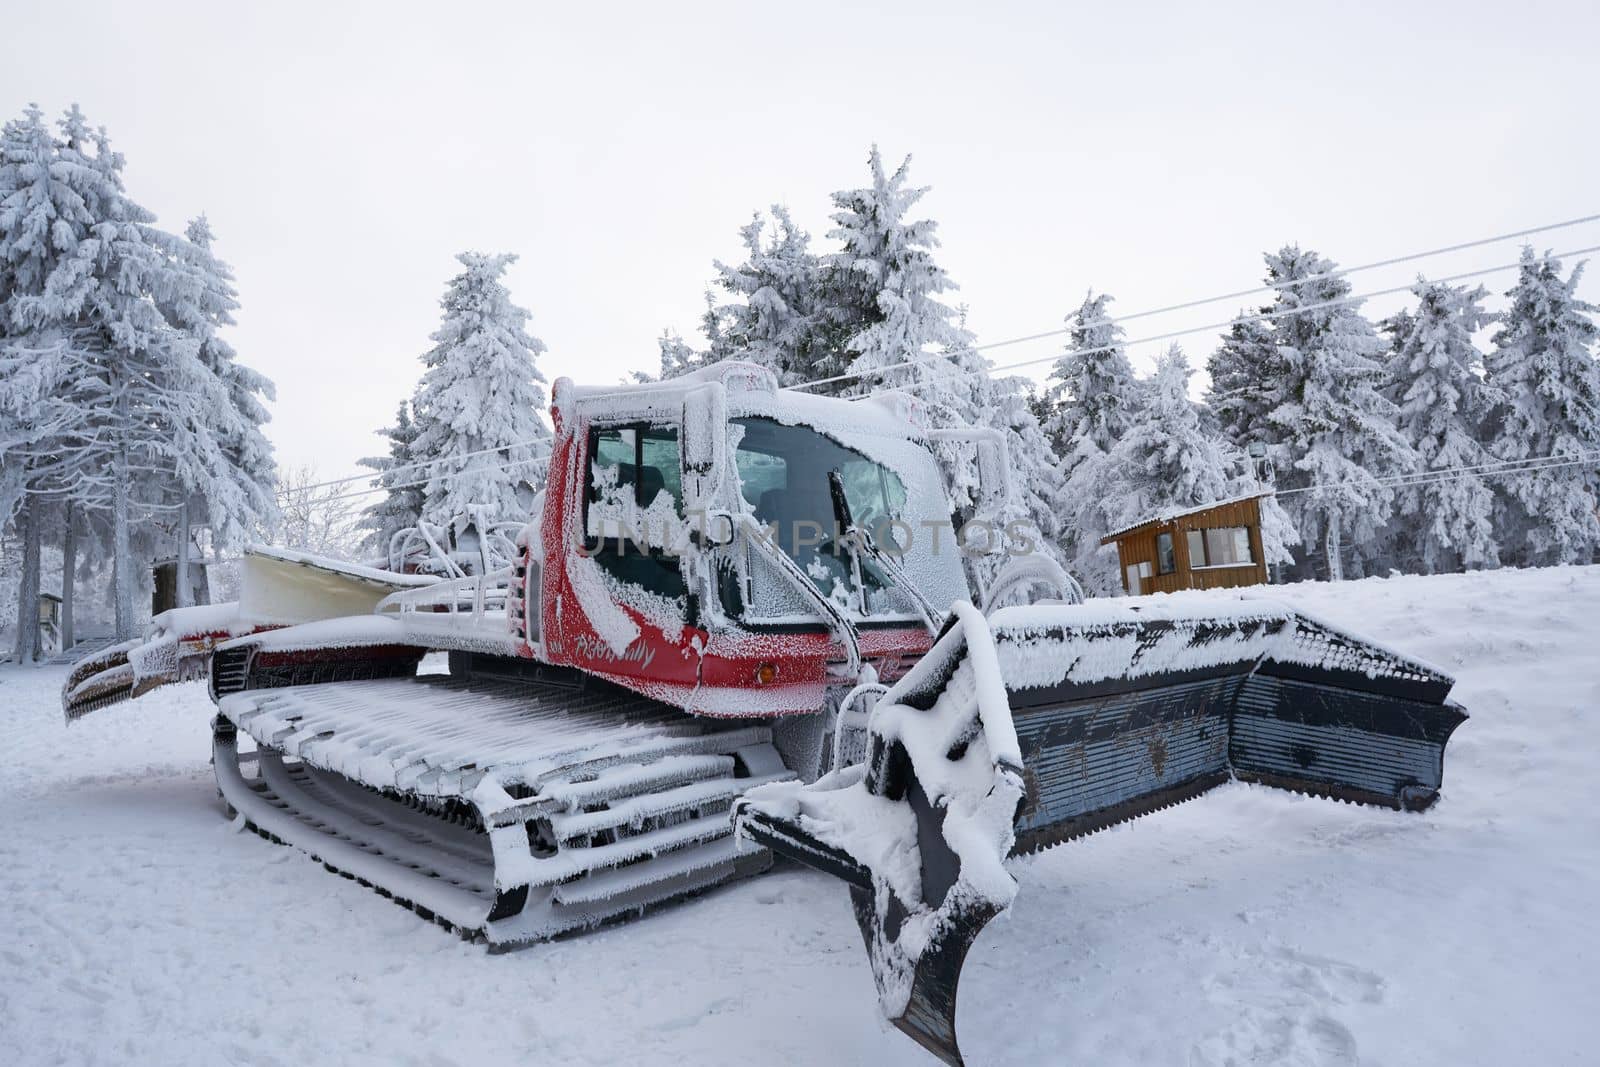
1166 558
633 496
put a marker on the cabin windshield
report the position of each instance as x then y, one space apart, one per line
783 474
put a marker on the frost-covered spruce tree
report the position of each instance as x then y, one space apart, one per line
1448 522
477 407
26 212
1543 369
1093 398
1171 457
1033 483
883 301
1336 430
880 308
247 388
401 504
200 305
46 210
163 420
1165 458
1092 386
43 214
776 316
1247 379
677 357
134 415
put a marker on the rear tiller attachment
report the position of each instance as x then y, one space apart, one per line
1043 723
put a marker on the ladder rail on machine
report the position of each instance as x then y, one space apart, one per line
475 602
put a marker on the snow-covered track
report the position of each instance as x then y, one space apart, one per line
507 811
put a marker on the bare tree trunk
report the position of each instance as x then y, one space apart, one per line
121 551
185 594
1330 546
69 565
27 646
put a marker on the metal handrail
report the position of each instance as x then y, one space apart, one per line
485 592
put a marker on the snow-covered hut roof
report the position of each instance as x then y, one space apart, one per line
1161 518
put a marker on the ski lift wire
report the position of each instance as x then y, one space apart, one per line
377 473
1393 261
1266 316
1449 474
416 484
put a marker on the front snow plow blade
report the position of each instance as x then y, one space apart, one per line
279 588
1040 724
176 648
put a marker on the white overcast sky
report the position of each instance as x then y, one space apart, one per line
345 152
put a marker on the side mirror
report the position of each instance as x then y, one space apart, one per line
994 468
994 472
704 441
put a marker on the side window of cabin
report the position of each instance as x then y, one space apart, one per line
1166 556
1220 547
1228 547
633 499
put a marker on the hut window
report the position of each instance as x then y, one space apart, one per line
1225 547
1166 558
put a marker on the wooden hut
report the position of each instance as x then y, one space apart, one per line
1214 546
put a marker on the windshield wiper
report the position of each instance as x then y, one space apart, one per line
836 619
862 543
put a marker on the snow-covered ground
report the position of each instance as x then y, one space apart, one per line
1250 926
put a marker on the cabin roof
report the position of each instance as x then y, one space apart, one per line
1162 518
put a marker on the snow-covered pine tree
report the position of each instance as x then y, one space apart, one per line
873 304
401 504
163 419
1447 523
208 304
882 305
41 218
880 308
776 317
1093 396
1543 369
1033 484
128 410
677 357
482 393
1165 458
1336 430
43 214
17 413
1092 386
1247 379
